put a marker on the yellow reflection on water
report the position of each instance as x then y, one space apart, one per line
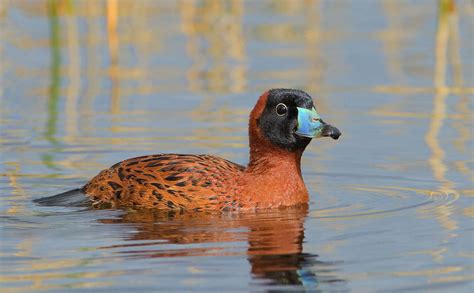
431 272
92 66
113 45
447 20
392 38
19 194
216 45
469 211
37 281
74 76
439 102
464 105
446 52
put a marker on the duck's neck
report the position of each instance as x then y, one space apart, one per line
264 160
273 178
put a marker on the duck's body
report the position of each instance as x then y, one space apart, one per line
192 182
278 136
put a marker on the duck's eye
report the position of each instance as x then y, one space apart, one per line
281 109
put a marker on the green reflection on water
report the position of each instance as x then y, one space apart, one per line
51 126
54 71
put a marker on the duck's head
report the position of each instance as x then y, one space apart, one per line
287 119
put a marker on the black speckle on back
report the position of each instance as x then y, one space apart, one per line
168 168
114 185
130 176
206 183
150 160
115 165
120 174
154 164
131 163
158 185
149 175
157 195
173 178
158 158
141 181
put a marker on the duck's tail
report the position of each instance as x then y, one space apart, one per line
71 198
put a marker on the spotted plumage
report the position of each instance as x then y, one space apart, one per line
164 181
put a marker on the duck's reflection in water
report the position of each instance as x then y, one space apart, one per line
274 239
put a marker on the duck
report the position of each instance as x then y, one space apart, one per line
281 126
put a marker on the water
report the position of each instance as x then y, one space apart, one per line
87 84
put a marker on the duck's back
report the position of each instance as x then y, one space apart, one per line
167 181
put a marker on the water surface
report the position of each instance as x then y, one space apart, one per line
85 84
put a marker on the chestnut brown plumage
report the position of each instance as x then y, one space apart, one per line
205 182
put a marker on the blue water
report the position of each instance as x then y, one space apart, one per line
85 84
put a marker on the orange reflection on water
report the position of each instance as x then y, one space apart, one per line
274 239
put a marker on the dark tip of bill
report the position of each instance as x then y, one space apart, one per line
336 135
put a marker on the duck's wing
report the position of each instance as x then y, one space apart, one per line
166 181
